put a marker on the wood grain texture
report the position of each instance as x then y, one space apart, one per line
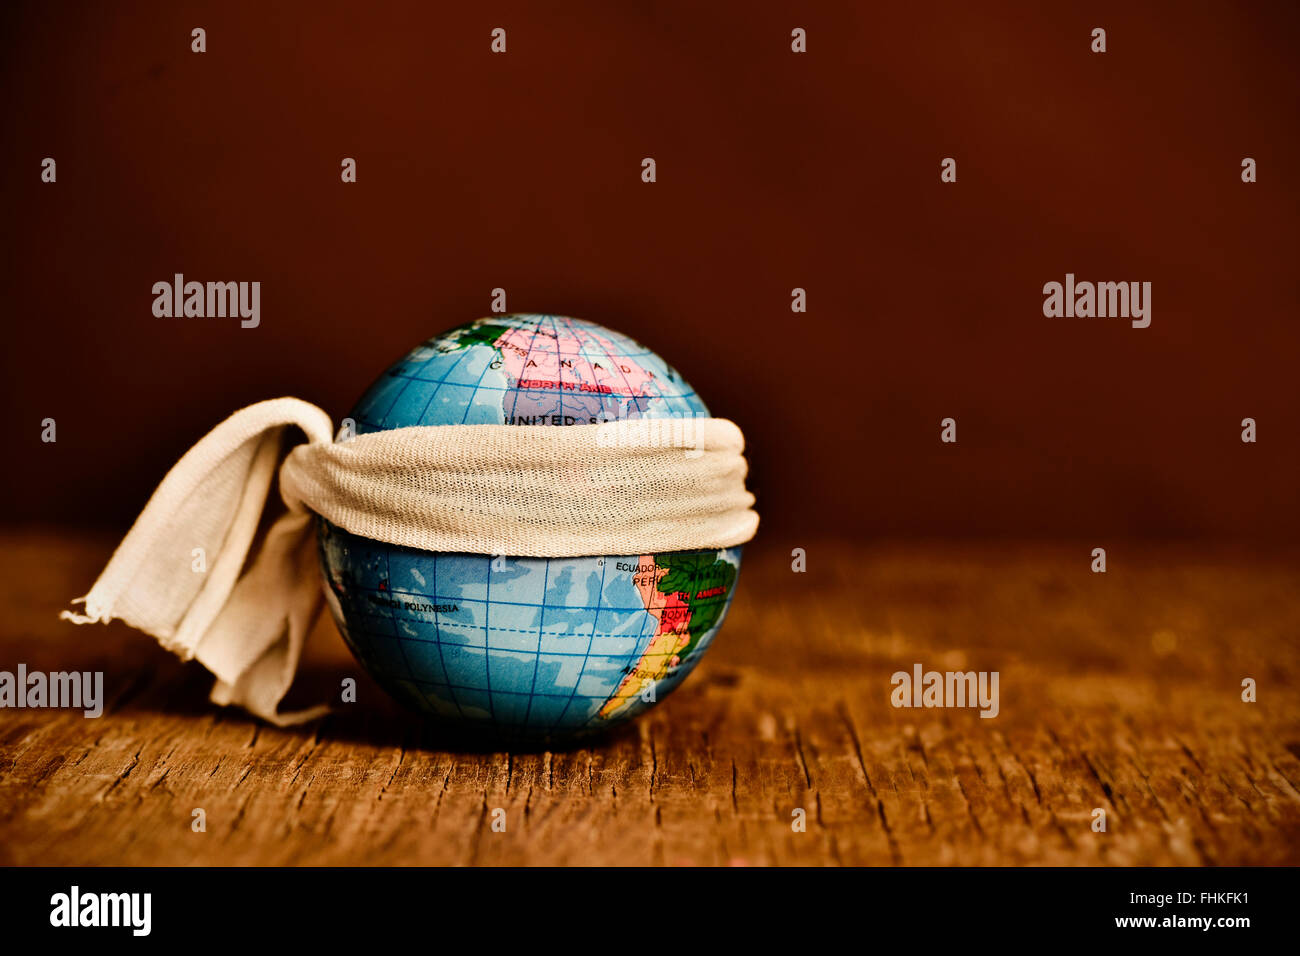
1119 691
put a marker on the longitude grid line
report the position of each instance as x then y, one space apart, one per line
580 333
487 641
441 657
541 620
487 604
630 391
682 390
487 608
523 369
559 369
441 345
582 352
407 379
387 565
637 349
393 404
470 404
437 630
388 576
681 396
445 381
587 656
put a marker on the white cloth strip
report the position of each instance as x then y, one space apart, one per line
183 573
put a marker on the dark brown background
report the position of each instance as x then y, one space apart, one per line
775 170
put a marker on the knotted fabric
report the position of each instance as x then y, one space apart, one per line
202 572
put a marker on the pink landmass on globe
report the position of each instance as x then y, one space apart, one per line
592 366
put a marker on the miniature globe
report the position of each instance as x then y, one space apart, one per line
533 647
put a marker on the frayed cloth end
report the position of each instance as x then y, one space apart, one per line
93 615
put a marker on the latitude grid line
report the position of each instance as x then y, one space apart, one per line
436 598
645 353
462 625
514 693
515 650
558 635
578 331
635 350
689 393
541 607
517 693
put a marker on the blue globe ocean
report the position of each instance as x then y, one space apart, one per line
534 647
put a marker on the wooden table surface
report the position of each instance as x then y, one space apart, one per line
1119 691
